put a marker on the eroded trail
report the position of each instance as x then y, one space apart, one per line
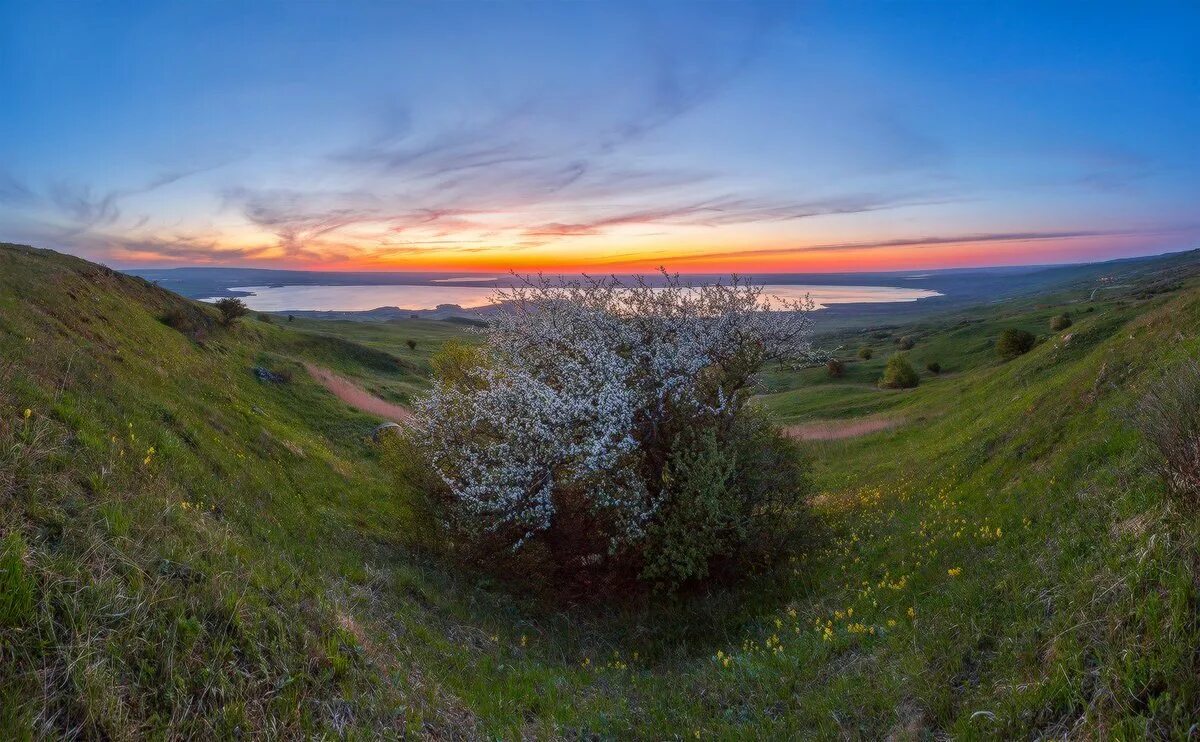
832 430
357 397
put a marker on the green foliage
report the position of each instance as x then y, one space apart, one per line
1060 322
1014 342
454 361
906 342
699 517
190 319
934 367
899 373
865 352
732 502
231 309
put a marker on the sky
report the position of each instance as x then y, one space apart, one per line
600 136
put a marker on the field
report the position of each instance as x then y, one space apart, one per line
188 550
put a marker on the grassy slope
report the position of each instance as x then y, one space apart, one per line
195 588
390 339
282 596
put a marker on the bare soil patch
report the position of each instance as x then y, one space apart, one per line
832 430
358 398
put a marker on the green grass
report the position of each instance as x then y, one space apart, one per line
372 352
260 573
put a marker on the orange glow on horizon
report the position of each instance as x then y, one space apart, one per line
621 257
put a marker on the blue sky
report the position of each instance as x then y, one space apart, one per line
823 136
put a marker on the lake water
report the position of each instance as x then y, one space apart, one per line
363 298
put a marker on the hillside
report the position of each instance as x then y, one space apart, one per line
188 550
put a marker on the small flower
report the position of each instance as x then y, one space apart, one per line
28 413
954 571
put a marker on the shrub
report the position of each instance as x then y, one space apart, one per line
735 495
865 352
1168 415
603 432
899 373
1013 342
412 344
231 310
190 320
265 318
834 368
934 367
1061 322
906 342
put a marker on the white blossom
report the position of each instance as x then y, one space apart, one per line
578 376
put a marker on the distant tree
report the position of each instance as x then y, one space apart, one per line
412 344
1013 342
899 373
906 342
1061 322
231 310
934 367
834 368
265 318
291 318
865 352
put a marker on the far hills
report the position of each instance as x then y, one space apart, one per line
959 288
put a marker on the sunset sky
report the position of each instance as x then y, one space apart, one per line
600 136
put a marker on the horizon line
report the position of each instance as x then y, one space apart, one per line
943 269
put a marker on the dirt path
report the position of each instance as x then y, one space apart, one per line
833 430
360 399
356 397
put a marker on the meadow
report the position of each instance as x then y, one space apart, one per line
190 550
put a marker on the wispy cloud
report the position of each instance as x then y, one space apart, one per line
13 191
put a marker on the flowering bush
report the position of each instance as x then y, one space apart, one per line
599 421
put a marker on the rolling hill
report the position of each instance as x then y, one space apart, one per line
191 547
